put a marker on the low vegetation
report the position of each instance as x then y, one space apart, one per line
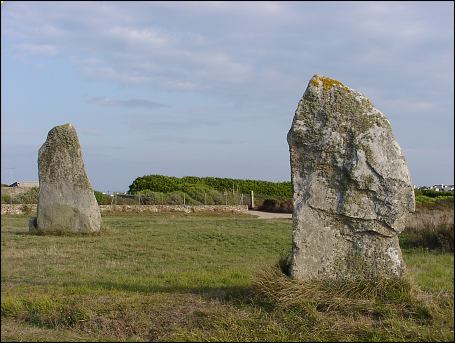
167 190
17 196
431 226
166 184
177 277
103 199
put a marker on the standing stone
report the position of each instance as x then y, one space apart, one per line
352 189
66 200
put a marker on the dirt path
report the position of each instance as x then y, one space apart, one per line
270 215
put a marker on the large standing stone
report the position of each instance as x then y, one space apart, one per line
352 189
66 200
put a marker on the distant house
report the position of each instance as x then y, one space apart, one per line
25 184
442 188
436 188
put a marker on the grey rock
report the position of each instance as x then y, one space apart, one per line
352 188
66 201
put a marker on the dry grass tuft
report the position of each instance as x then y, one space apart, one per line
430 229
380 297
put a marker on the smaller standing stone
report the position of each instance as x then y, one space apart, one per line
66 200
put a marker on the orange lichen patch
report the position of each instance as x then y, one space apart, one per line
327 83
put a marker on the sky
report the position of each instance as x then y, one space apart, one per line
211 88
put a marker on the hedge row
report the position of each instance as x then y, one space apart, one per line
432 193
166 184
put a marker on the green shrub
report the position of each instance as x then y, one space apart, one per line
193 195
203 194
155 183
157 189
214 197
6 198
123 199
432 193
176 198
148 197
166 184
103 199
28 196
442 202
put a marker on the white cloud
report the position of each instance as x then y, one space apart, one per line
180 85
31 49
413 106
146 36
215 64
270 8
129 103
101 72
398 21
183 61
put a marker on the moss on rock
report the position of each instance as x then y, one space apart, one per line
327 83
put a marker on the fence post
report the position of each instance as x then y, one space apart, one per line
252 199
183 198
205 198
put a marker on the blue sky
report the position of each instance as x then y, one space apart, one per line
210 88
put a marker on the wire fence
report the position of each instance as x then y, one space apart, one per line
180 198
192 197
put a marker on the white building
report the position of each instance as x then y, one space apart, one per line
442 188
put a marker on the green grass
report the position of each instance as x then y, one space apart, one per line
431 270
434 202
177 277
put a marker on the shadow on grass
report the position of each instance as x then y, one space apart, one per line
222 292
10 230
233 293
25 232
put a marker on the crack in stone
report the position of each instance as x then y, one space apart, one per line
344 218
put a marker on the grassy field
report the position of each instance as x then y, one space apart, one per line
177 277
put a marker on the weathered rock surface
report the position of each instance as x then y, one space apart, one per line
66 200
352 188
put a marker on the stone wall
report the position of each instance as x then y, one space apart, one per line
31 208
18 209
174 208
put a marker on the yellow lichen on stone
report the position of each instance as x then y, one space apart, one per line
327 83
